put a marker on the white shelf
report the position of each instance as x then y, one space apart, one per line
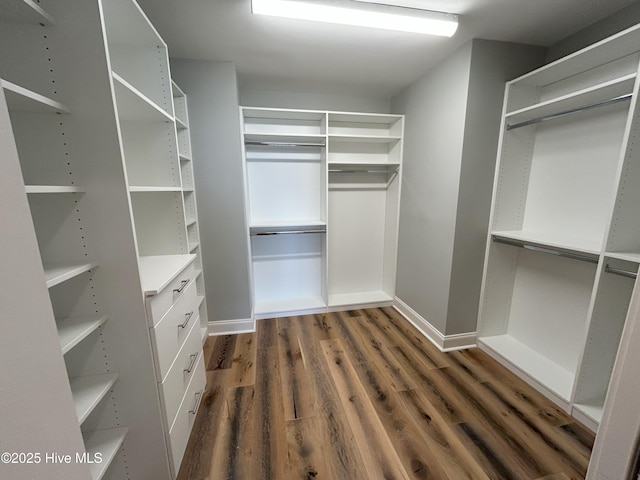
105 442
184 158
359 298
577 245
20 99
157 271
38 189
191 221
587 96
55 273
363 139
180 124
592 409
287 225
88 391
146 189
25 12
286 139
543 371
629 256
364 165
72 330
134 105
289 305
193 246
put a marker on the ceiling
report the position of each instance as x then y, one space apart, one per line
284 54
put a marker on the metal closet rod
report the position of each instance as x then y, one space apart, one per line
284 144
553 116
535 248
618 271
287 232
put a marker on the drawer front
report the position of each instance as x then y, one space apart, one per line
181 429
159 305
177 381
169 334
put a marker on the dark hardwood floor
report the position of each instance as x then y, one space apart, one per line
362 395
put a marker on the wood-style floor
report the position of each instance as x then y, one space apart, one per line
362 395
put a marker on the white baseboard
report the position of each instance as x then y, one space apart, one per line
231 327
445 343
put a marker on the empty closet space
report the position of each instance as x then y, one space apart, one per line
562 253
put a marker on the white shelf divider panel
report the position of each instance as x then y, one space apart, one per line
105 442
89 391
56 274
26 12
72 330
20 99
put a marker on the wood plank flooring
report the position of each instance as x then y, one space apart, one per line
362 395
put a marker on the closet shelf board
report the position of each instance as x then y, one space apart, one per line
587 96
40 189
340 299
88 391
106 442
617 46
25 12
284 138
58 273
180 124
363 139
550 240
147 189
538 367
592 409
184 158
258 227
193 246
20 99
72 330
629 256
157 271
289 305
134 105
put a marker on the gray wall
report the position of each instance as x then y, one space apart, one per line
435 109
212 94
451 136
492 64
625 18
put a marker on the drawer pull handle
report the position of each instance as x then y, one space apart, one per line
198 400
183 284
193 362
186 319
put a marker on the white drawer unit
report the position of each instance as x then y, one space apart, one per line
179 434
161 298
175 384
169 334
174 328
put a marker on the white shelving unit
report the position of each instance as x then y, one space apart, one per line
322 198
562 252
180 103
102 176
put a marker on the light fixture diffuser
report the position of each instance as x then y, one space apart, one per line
361 14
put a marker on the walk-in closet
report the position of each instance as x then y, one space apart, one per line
286 239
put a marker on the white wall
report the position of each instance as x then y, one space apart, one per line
214 117
254 97
435 109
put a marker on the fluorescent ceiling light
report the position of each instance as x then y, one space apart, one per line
361 14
